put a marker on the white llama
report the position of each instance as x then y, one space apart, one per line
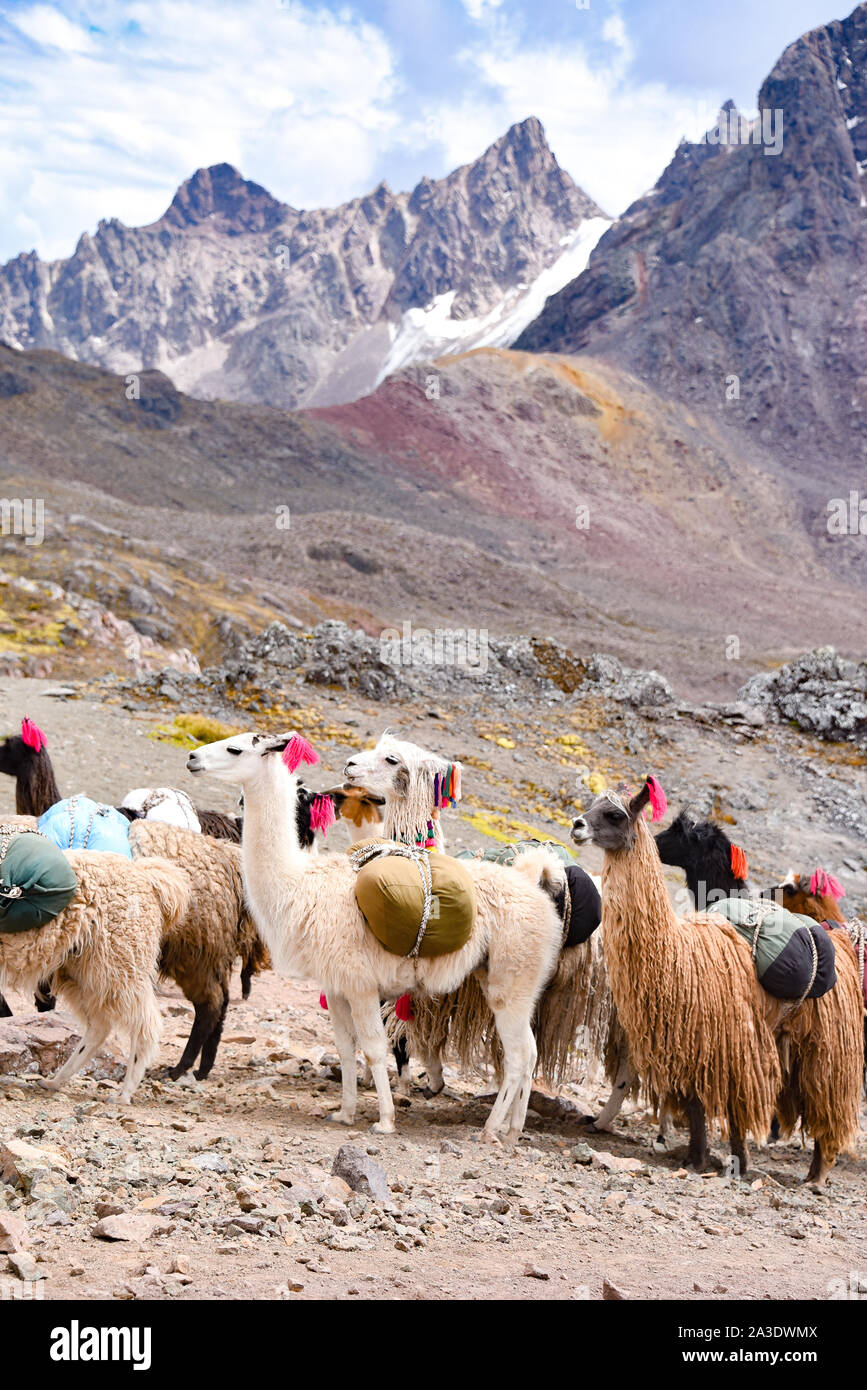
306 911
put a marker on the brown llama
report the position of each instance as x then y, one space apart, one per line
701 1031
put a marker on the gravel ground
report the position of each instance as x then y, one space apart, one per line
233 1175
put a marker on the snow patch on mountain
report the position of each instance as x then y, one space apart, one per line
424 334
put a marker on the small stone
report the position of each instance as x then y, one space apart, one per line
610 1292
24 1265
614 1163
581 1153
136 1226
360 1172
13 1233
109 1209
532 1271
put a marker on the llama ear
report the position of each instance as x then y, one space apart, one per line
638 802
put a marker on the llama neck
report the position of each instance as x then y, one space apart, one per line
36 787
408 822
636 909
271 853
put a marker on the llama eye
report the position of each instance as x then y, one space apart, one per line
393 762
236 752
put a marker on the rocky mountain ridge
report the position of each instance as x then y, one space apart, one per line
234 294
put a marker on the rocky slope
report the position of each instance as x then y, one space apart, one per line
235 294
749 263
527 493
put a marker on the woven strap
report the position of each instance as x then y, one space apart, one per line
420 857
567 910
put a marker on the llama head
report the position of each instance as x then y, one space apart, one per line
412 781
798 893
245 758
17 755
611 820
702 846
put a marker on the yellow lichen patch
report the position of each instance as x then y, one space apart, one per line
192 730
505 742
506 829
481 764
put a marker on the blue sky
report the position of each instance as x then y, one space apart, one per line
107 105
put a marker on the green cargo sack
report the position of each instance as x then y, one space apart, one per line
507 854
415 903
37 881
793 955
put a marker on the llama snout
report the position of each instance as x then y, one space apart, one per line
580 830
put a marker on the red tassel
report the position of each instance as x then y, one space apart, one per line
322 814
33 735
323 1002
825 885
298 750
658 800
740 866
403 1008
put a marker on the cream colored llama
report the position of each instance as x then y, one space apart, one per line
101 955
306 911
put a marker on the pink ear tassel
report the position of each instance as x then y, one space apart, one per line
298 750
322 814
33 735
825 885
323 1002
658 800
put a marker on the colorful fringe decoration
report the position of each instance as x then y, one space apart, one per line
33 735
323 1002
403 1008
825 885
740 866
447 787
298 750
658 799
322 814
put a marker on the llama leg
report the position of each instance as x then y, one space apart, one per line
663 1133
519 1058
739 1151
95 1035
44 999
212 1041
370 1030
344 1036
203 1023
400 1052
5 1011
145 1036
246 980
697 1154
623 1082
433 1065
820 1165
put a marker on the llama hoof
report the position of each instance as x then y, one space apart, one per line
339 1117
659 1145
48 1083
429 1093
383 1127
403 1102
489 1137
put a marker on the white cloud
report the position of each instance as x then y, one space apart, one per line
478 10
115 105
113 112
